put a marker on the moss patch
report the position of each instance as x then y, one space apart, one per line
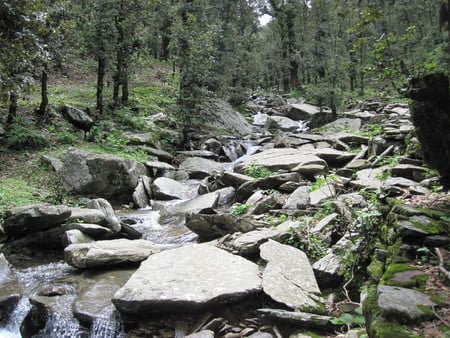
385 329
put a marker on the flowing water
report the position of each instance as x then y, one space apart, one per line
59 275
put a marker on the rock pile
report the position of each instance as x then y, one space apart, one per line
278 225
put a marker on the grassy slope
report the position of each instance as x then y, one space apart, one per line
26 179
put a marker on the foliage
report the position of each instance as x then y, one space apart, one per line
20 137
257 171
311 244
240 209
350 319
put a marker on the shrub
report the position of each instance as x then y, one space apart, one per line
20 138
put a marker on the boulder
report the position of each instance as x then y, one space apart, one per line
187 279
334 157
218 114
107 176
142 193
162 155
203 204
112 221
75 237
299 199
315 116
106 253
167 189
77 117
280 158
282 123
270 182
216 225
21 221
288 277
247 244
404 304
199 167
87 215
94 231
329 271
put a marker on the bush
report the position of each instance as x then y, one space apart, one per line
20 138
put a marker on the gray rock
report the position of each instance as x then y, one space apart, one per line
94 231
157 167
299 199
288 277
324 192
87 215
280 158
265 202
141 195
21 221
271 182
112 221
140 138
369 178
216 225
235 180
198 167
55 163
219 115
334 157
10 290
329 271
198 153
296 318
403 304
75 237
107 176
412 172
247 244
77 117
203 204
186 279
167 189
94 298
106 253
281 123
349 125
201 334
162 155
314 115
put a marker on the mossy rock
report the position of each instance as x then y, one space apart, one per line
388 329
404 275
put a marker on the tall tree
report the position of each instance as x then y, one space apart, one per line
193 46
19 20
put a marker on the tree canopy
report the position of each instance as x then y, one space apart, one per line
320 49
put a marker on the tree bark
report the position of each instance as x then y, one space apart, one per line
100 78
44 92
12 111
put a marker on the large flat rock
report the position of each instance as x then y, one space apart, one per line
24 220
280 158
186 279
106 253
288 277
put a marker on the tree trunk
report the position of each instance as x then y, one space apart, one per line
100 78
44 92
125 90
12 111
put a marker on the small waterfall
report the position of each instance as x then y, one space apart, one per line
12 328
107 325
60 327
